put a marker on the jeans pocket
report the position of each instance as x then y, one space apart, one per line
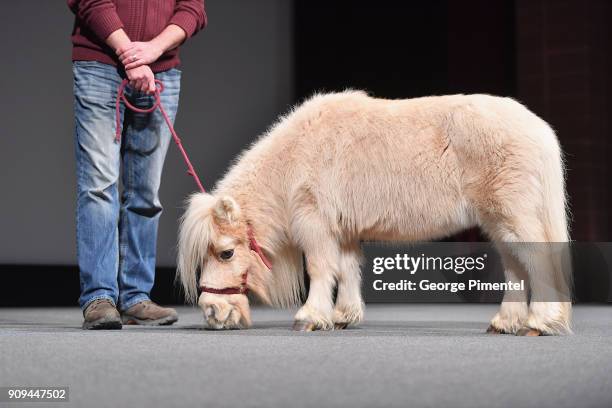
91 66
171 80
95 80
171 75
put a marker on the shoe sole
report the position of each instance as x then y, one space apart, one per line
103 324
165 321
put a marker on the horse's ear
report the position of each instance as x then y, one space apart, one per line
227 209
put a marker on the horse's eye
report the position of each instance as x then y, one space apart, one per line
227 254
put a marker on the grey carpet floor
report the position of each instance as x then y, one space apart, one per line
402 356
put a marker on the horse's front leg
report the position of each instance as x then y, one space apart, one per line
317 312
321 254
349 305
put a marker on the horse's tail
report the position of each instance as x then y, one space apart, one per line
555 219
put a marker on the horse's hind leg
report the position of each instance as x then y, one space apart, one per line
513 312
349 305
550 300
523 238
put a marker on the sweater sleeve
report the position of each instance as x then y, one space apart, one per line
100 16
190 15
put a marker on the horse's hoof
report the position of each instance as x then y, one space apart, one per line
494 330
340 326
529 332
304 326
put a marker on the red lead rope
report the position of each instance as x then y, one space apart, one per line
157 104
190 170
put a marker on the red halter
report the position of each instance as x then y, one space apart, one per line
233 290
242 289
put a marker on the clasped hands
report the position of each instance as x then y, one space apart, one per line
136 57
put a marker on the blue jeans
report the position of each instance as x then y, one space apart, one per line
117 236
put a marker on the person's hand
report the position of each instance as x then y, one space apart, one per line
136 54
141 78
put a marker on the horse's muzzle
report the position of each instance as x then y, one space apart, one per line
220 314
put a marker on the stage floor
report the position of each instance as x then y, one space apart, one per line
402 355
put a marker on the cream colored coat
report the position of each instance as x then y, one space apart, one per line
346 167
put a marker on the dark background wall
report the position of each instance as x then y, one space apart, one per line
552 55
257 58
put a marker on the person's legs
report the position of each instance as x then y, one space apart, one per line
145 142
98 162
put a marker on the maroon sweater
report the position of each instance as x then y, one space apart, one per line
142 20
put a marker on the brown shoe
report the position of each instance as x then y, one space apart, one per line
149 313
101 314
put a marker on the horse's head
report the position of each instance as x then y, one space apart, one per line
214 241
